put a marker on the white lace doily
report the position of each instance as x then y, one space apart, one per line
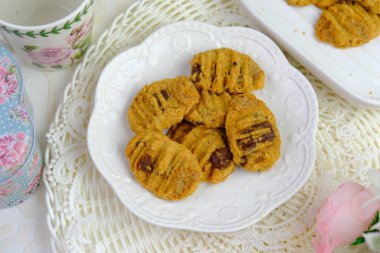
86 216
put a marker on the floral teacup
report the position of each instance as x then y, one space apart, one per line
49 34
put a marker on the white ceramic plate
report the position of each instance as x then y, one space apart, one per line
244 198
352 73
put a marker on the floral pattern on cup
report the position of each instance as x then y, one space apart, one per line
76 44
56 45
13 149
8 83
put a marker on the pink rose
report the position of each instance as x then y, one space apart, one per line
12 150
19 147
51 56
20 136
5 142
8 85
10 159
7 79
344 216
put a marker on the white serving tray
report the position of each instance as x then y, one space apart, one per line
352 73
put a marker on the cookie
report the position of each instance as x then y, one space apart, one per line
347 25
178 132
301 2
252 133
224 70
372 6
211 111
210 148
326 3
162 104
162 166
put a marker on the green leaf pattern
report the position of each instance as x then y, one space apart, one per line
55 30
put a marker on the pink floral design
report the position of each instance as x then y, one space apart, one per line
51 56
8 188
79 33
35 160
12 150
8 84
34 182
74 47
34 163
20 113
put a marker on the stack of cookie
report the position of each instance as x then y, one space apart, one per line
214 123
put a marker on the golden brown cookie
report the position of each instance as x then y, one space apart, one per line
162 104
301 2
211 111
347 25
372 6
224 69
252 133
319 3
209 146
178 132
162 166
326 3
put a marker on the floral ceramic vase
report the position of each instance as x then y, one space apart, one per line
20 155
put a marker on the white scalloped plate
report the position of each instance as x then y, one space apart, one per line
352 73
244 198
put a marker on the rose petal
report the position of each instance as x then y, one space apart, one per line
341 196
344 193
363 208
21 136
346 226
324 244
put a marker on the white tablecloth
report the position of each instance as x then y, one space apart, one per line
23 228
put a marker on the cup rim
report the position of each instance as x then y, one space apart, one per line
45 26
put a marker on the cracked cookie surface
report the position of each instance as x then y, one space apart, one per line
226 70
162 104
252 133
162 166
209 146
301 2
347 25
211 111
